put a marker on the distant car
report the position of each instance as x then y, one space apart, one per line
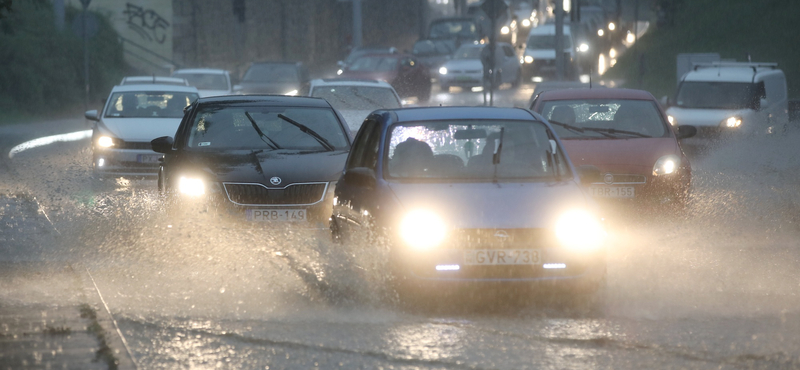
364 50
729 97
355 99
133 116
626 136
466 67
404 72
266 159
455 31
278 78
432 53
209 82
153 80
469 195
539 57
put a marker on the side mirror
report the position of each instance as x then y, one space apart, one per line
162 144
589 174
360 176
686 131
92 115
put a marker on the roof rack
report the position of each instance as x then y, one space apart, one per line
753 65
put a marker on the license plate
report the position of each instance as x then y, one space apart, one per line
613 191
501 257
148 158
279 215
464 78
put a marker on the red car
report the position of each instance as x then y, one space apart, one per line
407 75
626 135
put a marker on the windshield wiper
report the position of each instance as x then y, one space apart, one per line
321 140
272 144
615 131
497 154
568 126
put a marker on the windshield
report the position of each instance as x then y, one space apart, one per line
719 95
454 29
602 118
468 52
148 104
466 151
228 127
431 47
272 73
547 42
357 97
205 81
373 64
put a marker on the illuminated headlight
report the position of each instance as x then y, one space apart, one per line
528 59
731 122
580 230
584 47
443 71
630 38
191 186
291 93
339 72
666 165
105 141
505 30
600 32
422 229
526 22
672 120
612 26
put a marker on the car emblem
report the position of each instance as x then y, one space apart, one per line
275 180
608 179
501 234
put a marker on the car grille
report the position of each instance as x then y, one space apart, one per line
258 194
135 145
624 179
501 238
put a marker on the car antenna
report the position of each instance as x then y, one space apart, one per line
154 78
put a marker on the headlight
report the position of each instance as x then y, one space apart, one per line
291 93
584 47
612 26
731 122
443 71
422 229
666 165
339 72
671 120
579 229
505 30
630 38
600 32
526 22
528 59
105 141
191 186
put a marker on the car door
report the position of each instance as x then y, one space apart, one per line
355 193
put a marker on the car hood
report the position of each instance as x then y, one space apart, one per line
489 205
615 155
292 166
705 117
464 64
277 88
387 76
140 129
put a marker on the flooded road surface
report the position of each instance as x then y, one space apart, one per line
715 288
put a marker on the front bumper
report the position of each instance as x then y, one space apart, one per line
647 191
126 162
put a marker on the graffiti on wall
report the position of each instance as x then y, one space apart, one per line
146 22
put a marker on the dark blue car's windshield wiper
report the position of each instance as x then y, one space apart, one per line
321 140
272 144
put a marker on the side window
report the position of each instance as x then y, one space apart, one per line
363 145
372 147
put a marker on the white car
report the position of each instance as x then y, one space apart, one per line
153 80
355 99
466 67
209 82
539 57
723 97
133 116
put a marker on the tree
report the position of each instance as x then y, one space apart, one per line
5 8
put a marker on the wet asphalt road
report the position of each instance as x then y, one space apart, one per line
716 288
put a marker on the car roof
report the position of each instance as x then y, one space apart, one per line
138 80
154 87
604 93
201 70
276 62
729 72
349 82
456 113
275 100
548 29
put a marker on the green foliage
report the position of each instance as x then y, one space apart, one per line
765 29
42 67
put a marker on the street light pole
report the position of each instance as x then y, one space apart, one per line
85 4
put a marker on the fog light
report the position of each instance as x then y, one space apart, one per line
555 265
448 267
101 162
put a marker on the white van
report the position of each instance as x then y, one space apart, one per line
540 51
722 97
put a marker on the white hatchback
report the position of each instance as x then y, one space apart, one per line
133 115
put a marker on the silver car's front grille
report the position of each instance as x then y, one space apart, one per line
256 194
